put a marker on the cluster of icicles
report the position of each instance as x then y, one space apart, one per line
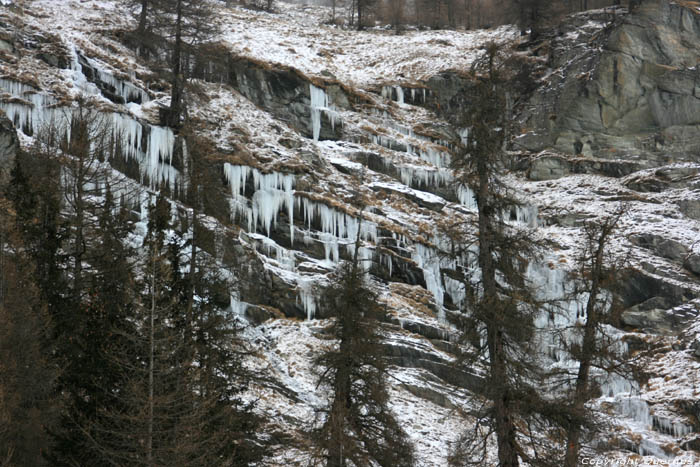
151 146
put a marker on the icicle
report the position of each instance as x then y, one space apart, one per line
526 215
429 262
399 94
387 261
336 228
306 296
437 158
456 290
273 192
466 197
155 159
319 101
238 308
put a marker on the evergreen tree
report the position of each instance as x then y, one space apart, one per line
29 405
359 428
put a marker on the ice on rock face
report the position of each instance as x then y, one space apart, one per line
286 259
272 192
153 153
388 93
319 104
429 261
128 91
336 227
307 296
466 197
456 290
35 110
238 308
399 94
436 157
152 146
417 176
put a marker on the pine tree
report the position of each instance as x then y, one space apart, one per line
359 428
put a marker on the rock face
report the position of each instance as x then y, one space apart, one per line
9 145
283 91
637 97
550 166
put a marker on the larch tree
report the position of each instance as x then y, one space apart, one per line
185 25
359 428
596 351
500 303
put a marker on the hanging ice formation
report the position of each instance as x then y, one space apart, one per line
126 90
429 261
525 214
154 152
29 109
466 197
152 146
272 192
320 103
238 308
419 176
388 93
436 157
337 228
306 296
286 259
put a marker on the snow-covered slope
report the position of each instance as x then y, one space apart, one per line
311 122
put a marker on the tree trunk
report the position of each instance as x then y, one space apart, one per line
143 17
177 83
573 445
360 7
505 428
151 352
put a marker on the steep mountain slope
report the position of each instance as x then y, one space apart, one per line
322 135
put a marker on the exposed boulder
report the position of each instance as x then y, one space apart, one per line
638 287
661 246
692 263
690 208
655 316
550 166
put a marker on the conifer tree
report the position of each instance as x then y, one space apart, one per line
29 405
500 305
598 273
359 428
